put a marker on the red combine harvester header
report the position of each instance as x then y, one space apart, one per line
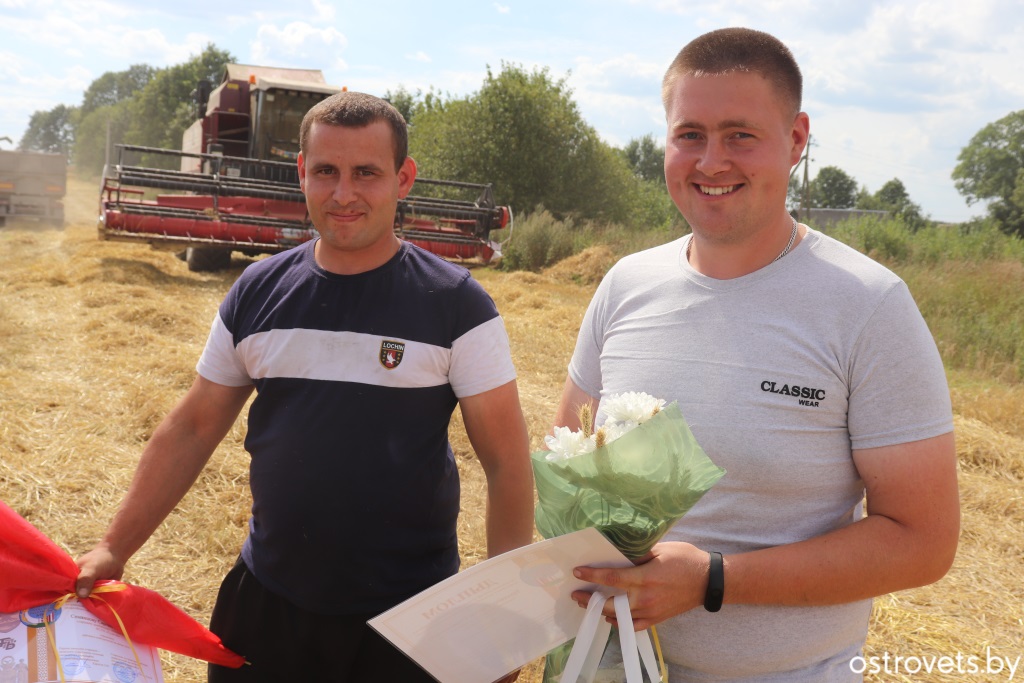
234 185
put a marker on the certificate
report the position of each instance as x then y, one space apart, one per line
501 614
70 644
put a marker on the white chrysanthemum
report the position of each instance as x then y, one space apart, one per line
631 406
612 430
566 443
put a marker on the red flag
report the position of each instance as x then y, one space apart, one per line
35 571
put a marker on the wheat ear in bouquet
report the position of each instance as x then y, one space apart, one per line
632 479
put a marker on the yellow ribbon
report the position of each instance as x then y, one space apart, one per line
112 587
661 658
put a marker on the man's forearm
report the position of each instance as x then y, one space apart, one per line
171 461
497 431
908 539
163 477
871 557
509 509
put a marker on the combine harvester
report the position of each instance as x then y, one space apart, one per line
234 185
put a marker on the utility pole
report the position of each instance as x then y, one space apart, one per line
106 149
805 203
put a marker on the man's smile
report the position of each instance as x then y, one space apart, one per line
716 190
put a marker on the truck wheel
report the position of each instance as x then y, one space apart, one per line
205 259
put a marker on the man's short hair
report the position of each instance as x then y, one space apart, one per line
729 50
355 110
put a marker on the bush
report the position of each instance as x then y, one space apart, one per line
895 240
538 240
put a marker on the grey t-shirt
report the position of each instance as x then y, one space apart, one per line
780 374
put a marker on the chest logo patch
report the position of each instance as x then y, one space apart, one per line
391 353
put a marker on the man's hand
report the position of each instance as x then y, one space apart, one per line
670 580
96 565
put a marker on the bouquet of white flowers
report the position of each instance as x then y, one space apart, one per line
632 479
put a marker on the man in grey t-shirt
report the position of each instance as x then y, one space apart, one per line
804 369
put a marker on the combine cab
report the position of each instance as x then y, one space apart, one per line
234 186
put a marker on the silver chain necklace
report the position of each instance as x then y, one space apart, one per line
789 245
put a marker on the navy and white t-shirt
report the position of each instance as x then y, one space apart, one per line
355 488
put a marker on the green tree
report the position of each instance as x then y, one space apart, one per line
143 106
523 133
646 157
91 134
833 188
991 167
867 201
163 108
404 101
50 131
107 109
795 192
113 87
893 197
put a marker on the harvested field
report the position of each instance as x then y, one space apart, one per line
100 339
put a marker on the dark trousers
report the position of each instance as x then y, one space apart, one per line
283 643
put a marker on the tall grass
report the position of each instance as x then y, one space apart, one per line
540 240
892 241
968 279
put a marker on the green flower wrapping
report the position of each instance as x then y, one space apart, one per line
632 489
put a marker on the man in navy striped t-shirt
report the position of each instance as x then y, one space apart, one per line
359 347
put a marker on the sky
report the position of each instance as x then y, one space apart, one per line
894 89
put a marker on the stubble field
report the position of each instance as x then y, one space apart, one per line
98 340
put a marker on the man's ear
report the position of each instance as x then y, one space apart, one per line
801 132
406 177
302 173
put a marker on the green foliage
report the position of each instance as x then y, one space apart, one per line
894 198
162 109
893 194
833 188
794 192
653 208
867 201
646 157
991 167
91 134
108 106
975 311
893 240
113 87
404 101
51 131
539 240
523 133
142 106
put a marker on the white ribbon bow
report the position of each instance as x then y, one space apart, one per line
593 635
